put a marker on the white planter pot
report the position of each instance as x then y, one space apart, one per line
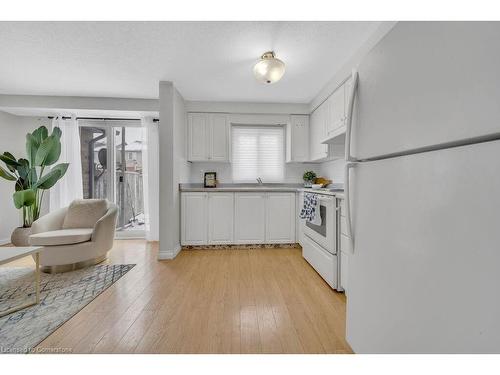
20 236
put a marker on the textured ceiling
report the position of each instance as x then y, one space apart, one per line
206 60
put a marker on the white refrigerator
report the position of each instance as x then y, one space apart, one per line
424 192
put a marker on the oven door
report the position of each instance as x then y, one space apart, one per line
324 234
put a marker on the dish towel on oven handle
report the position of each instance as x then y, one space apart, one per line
310 210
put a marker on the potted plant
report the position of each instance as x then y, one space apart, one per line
309 177
32 177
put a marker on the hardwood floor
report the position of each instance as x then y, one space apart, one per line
209 301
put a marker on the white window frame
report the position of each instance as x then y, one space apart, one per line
262 175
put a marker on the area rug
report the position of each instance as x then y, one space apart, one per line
62 296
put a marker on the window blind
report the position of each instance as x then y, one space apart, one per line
258 151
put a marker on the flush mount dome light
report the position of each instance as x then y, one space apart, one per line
269 69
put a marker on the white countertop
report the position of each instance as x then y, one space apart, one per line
293 188
241 187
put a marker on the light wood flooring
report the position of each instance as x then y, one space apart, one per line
209 301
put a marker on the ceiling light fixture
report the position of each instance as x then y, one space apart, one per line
269 69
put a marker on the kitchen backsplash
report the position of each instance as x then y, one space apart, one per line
334 170
293 172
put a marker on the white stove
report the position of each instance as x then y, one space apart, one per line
319 241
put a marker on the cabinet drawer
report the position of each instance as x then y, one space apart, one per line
345 244
322 261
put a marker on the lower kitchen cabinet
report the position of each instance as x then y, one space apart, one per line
344 248
280 218
237 218
220 218
249 218
194 219
344 270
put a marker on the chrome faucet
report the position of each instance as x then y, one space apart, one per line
259 180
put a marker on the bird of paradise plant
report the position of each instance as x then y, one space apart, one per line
31 174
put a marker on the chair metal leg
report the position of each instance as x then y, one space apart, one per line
37 290
37 277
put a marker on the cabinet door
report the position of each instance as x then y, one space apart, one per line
337 110
219 138
220 218
197 138
194 219
318 150
344 270
313 123
299 140
329 122
280 218
250 215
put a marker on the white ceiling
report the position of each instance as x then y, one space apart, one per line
207 61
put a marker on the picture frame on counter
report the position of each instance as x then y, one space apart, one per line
210 180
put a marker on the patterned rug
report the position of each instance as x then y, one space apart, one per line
62 296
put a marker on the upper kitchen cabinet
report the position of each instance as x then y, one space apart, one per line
337 113
197 136
208 137
317 150
297 145
336 106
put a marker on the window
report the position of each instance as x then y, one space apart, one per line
258 151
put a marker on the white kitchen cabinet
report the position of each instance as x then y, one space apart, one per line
194 219
337 111
249 220
344 247
338 105
208 137
218 137
197 136
317 150
344 270
297 148
220 218
280 218
238 218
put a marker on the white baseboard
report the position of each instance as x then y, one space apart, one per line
164 255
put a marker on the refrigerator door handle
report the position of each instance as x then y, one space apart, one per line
347 204
350 109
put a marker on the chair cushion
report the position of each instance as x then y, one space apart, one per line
84 213
61 237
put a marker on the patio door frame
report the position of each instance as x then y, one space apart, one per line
111 195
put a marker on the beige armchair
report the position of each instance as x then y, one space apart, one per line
75 237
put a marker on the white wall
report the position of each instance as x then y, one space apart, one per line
181 165
166 146
13 131
293 172
173 167
245 107
333 170
58 104
180 145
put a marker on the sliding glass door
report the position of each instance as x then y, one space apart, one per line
112 168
